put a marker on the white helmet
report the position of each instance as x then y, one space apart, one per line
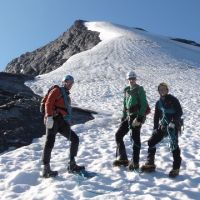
131 75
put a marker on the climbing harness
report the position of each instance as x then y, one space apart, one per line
67 106
172 138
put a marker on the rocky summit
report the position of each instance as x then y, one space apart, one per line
51 56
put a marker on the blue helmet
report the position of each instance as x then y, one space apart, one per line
68 78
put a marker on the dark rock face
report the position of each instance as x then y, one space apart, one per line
20 118
54 54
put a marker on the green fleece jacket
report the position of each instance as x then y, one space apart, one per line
135 102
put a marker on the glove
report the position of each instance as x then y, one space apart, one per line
171 125
49 122
163 128
154 131
140 119
136 123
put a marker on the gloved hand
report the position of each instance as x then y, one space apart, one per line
171 125
154 131
163 128
49 122
136 123
141 119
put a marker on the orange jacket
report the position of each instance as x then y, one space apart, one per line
54 104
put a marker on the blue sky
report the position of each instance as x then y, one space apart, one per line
26 25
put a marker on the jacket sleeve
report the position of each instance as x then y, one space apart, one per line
50 102
156 116
143 102
178 108
124 112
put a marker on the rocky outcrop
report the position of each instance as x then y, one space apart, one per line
20 118
190 42
45 59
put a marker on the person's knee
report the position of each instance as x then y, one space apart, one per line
118 138
50 142
176 152
75 139
137 145
150 143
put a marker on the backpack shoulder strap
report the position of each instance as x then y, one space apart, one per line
165 110
160 105
66 102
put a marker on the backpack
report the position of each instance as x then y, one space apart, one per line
43 101
148 109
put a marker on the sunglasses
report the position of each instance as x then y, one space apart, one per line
69 83
131 79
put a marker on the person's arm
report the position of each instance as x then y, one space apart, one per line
142 103
124 112
178 108
178 113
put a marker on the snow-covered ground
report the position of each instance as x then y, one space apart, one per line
99 81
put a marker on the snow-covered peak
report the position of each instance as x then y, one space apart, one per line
108 31
122 49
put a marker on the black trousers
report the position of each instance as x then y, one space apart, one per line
135 134
61 126
155 139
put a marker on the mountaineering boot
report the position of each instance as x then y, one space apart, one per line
73 167
133 166
173 173
148 167
120 162
47 172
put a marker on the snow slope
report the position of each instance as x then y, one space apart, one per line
99 81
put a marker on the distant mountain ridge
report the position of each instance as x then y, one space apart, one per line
55 53
190 42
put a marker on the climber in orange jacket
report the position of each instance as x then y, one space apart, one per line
57 118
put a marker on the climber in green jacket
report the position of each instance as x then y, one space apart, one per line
134 112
